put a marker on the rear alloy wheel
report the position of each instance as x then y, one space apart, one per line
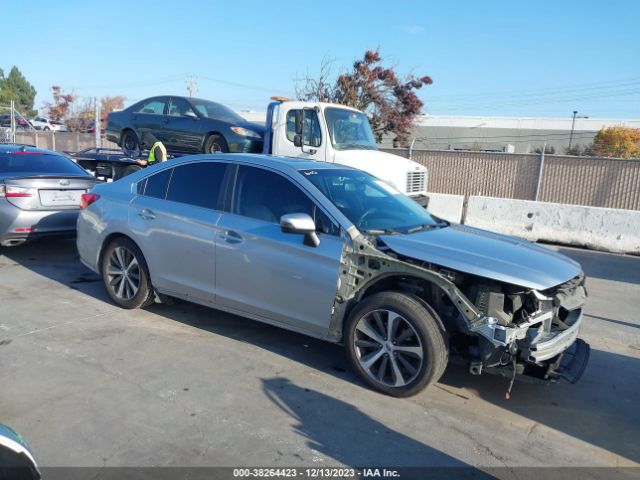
125 274
396 344
215 144
130 141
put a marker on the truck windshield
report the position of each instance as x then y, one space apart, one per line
349 129
372 205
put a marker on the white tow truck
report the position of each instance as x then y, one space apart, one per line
335 133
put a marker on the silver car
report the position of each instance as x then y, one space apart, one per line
40 193
337 254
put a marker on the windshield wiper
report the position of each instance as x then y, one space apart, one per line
386 231
428 226
357 146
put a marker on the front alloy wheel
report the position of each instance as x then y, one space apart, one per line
388 348
396 343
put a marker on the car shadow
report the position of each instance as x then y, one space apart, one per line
57 259
341 431
600 409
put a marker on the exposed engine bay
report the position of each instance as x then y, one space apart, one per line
492 326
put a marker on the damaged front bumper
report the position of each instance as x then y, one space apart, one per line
539 349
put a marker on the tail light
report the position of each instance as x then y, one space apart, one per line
87 199
16 192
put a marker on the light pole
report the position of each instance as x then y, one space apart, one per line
573 125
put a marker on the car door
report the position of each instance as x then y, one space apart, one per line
312 135
265 273
183 127
174 218
150 121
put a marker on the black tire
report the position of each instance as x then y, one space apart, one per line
123 172
141 297
418 329
215 144
130 141
46 129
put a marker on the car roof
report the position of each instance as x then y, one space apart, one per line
16 147
273 161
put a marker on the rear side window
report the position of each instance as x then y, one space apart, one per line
27 162
197 184
157 184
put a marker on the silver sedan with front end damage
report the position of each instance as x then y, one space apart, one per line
335 253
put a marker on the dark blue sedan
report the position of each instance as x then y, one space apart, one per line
184 125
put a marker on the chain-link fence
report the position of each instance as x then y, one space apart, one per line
592 181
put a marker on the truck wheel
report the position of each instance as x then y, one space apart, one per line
125 274
396 345
123 172
130 141
215 144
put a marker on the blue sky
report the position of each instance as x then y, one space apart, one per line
535 58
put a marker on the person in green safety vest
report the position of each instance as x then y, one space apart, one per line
157 153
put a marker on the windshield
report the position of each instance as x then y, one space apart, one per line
349 129
43 164
215 111
372 205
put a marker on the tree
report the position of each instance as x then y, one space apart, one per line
390 102
109 104
16 87
620 142
59 108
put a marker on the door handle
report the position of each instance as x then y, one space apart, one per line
146 214
230 236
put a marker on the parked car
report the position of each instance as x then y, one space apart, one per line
184 125
91 127
40 193
21 122
338 254
44 124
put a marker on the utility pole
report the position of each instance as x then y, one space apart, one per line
192 85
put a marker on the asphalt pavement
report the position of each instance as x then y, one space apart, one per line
89 384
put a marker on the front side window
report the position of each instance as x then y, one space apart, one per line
369 203
156 185
197 184
154 106
267 196
349 129
312 134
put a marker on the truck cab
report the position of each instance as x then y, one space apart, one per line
338 134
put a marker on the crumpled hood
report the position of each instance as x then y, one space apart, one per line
487 254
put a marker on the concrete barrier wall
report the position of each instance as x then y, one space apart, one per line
446 206
608 229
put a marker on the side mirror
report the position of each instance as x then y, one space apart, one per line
297 140
191 115
300 223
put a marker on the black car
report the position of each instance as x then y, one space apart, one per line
184 125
